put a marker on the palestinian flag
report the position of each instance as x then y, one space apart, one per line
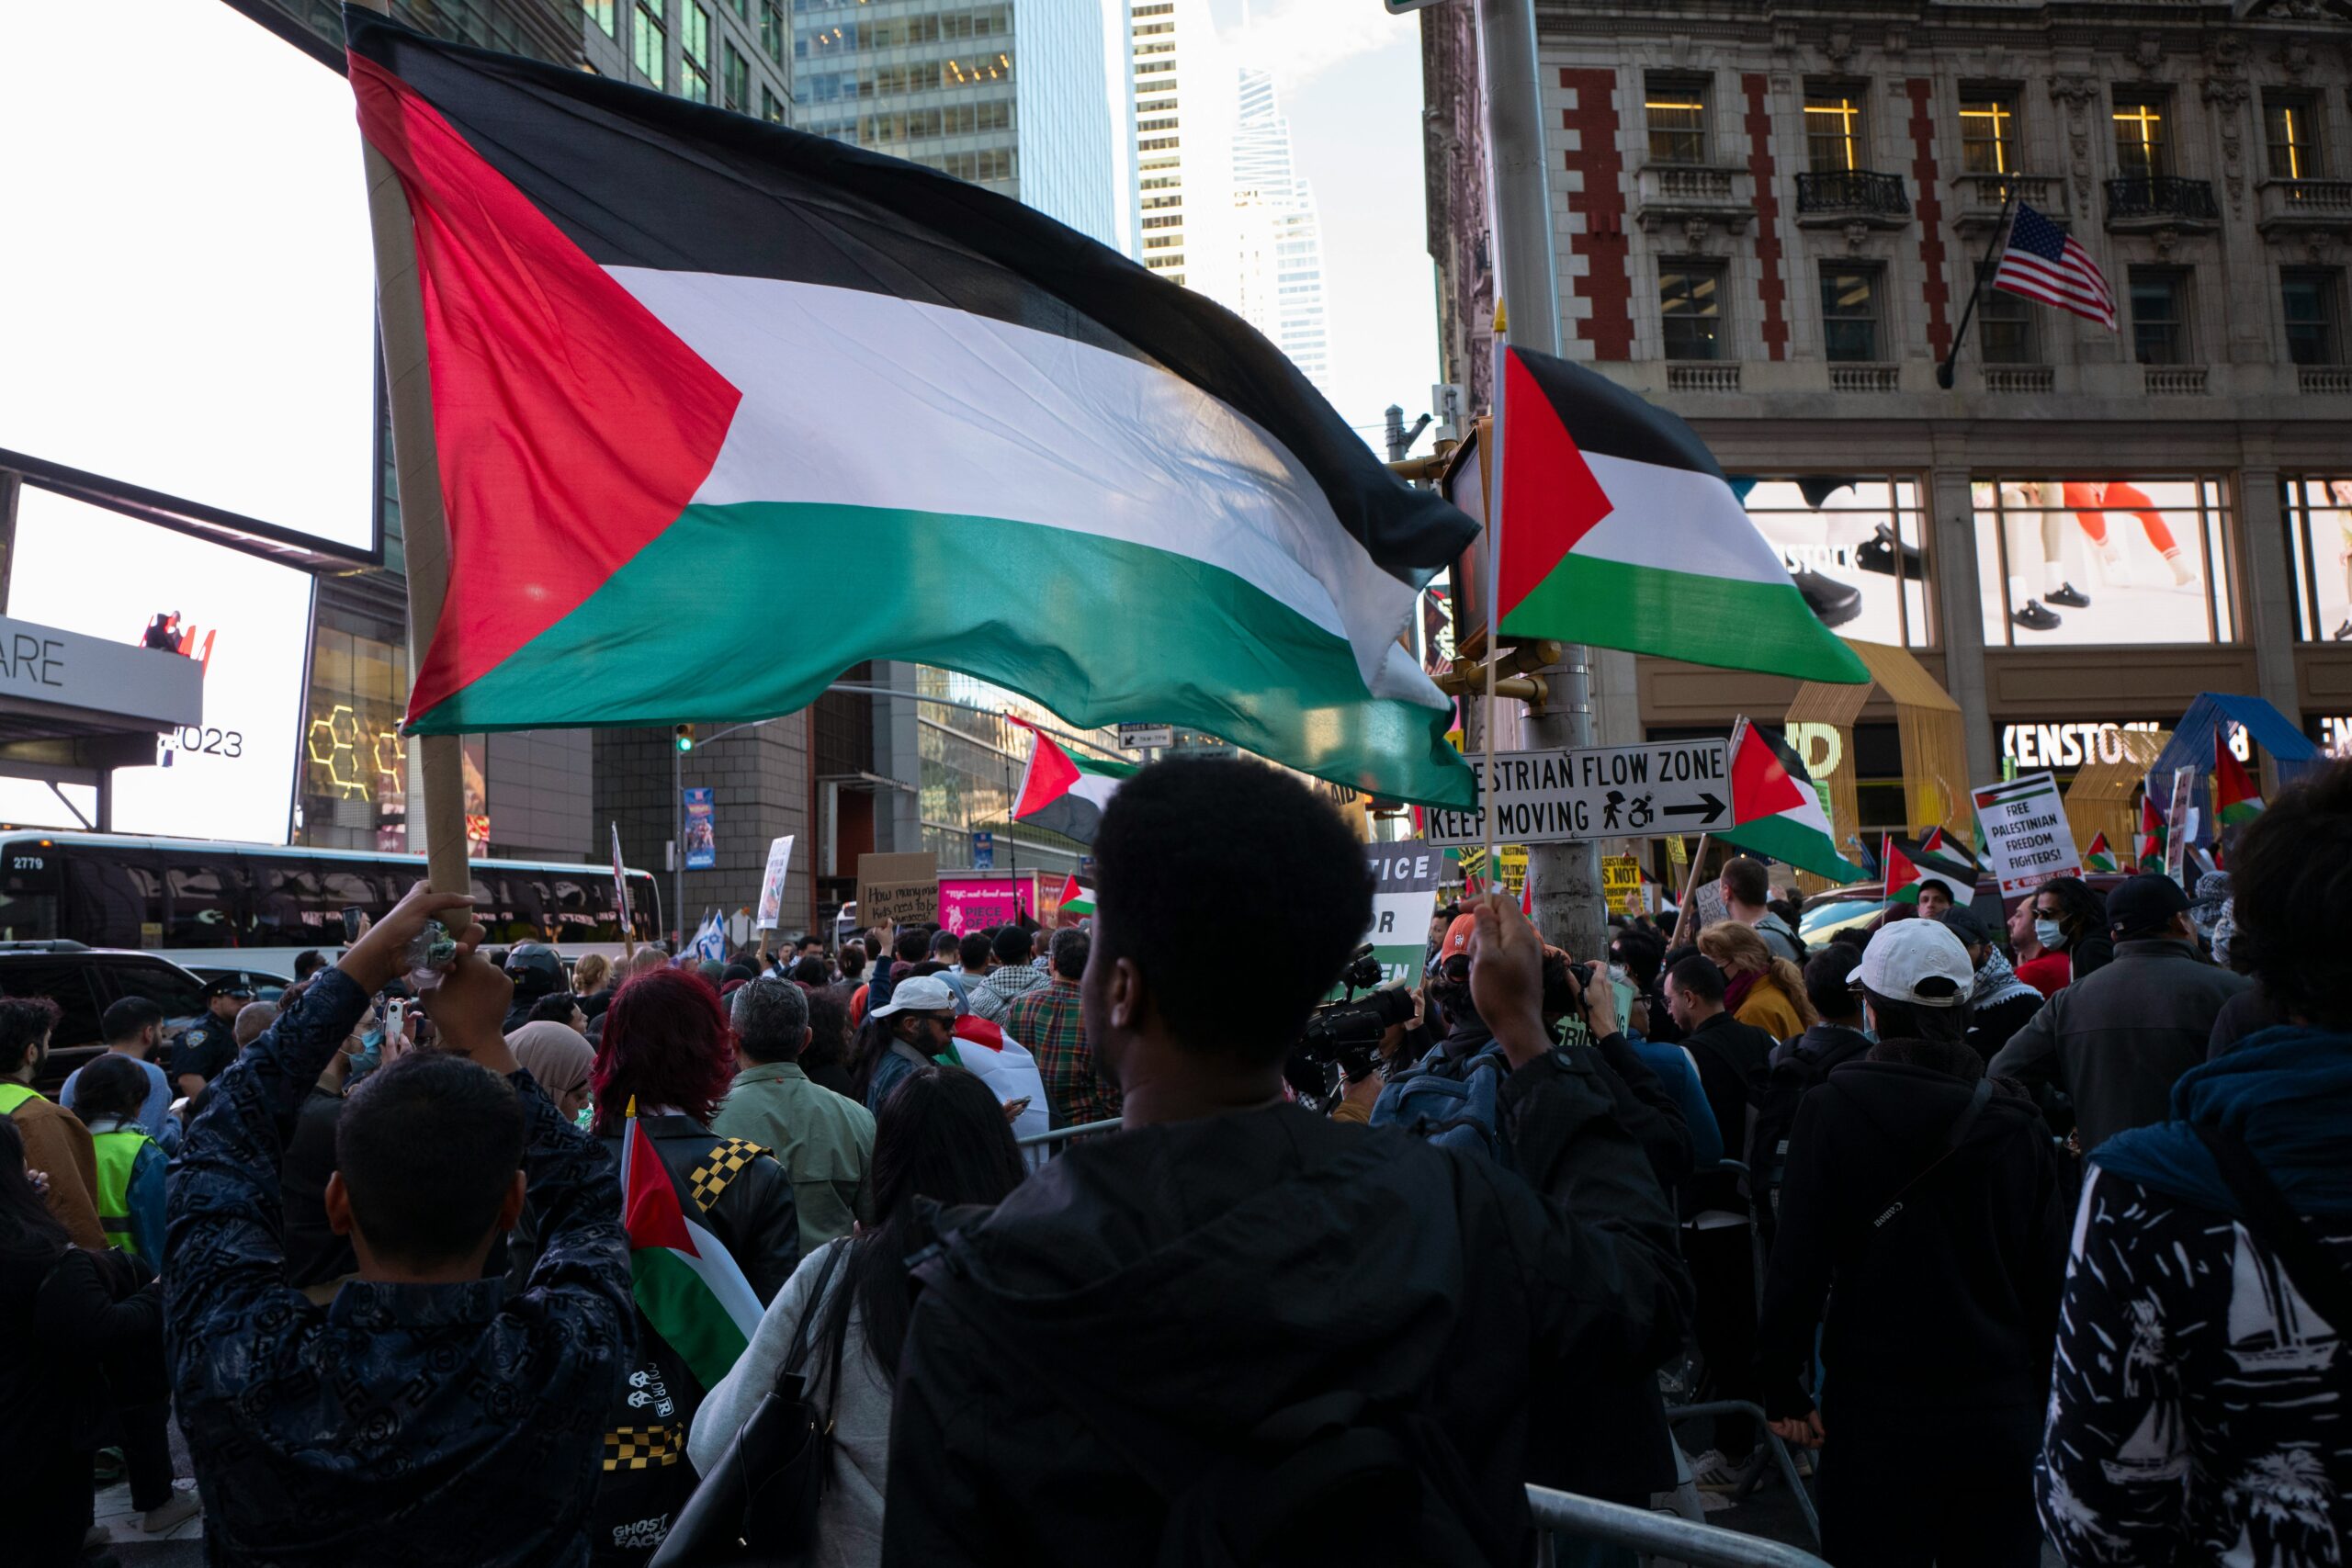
2236 801
1075 899
2152 832
2098 857
687 1284
1618 529
1063 793
1901 875
1775 809
722 408
1952 847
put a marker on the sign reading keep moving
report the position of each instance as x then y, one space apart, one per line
1599 792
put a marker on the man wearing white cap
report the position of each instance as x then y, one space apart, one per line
1923 1205
921 1019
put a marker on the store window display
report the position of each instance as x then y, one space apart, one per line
2103 560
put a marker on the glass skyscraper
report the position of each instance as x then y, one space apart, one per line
1278 233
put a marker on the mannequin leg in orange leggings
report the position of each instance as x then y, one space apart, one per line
2119 496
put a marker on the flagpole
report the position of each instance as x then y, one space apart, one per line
1977 285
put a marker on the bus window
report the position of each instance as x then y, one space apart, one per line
31 872
206 904
112 898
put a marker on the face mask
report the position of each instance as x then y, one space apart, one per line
2050 935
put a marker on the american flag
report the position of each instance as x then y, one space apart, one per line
2041 262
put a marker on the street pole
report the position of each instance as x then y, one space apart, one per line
678 840
1569 908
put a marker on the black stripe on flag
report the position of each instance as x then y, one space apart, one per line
1604 418
637 178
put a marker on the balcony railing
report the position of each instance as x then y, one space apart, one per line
1853 193
2305 206
1702 378
2174 380
1861 378
1982 198
2334 380
1688 183
2018 378
2160 198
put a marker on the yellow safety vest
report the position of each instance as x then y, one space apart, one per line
12 1095
118 1154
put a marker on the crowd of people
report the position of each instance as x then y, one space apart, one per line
2041 1241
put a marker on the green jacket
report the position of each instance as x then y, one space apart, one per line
823 1139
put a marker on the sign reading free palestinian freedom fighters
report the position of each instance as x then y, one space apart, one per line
1600 792
2026 836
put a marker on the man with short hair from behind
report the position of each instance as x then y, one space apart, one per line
424 1415
1052 1024
976 954
824 1141
1233 1281
134 1027
1012 979
1748 895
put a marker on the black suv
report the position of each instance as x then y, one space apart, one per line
86 981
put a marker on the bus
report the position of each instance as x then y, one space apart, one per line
211 906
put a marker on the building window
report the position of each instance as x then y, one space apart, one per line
600 13
647 42
1859 541
772 30
2314 301
2004 323
771 107
1850 312
2102 558
2291 126
693 54
1988 132
2159 316
1690 311
2143 148
1677 111
1832 131
734 76
2319 525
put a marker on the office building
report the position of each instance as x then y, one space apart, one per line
1277 233
1184 107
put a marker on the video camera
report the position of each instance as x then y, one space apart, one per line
1347 1033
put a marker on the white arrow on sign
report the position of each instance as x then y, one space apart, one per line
1601 792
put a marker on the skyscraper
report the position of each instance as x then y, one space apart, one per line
1278 235
1183 137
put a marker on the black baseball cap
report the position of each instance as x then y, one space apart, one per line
2145 906
1962 921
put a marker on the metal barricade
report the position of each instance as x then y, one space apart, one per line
1771 1448
1060 1135
1676 1540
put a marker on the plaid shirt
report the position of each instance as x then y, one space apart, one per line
1047 1020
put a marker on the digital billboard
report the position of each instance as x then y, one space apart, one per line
187 284
247 621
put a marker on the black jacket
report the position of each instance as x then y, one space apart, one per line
1734 1059
64 1315
1954 1301
1147 1299
1797 1066
753 1215
1991 1028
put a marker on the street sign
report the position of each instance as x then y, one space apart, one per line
1147 736
1649 791
984 852
2023 824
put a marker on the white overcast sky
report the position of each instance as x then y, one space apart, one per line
1351 80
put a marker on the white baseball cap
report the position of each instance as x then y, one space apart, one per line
924 993
1906 955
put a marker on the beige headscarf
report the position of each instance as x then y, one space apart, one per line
554 1053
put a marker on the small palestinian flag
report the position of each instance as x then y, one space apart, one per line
2098 857
2151 841
687 1286
1901 876
1775 809
1617 528
721 408
1077 899
2236 801
1063 793
1952 847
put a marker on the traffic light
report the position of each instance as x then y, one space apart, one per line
684 735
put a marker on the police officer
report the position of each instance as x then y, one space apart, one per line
211 1043
537 972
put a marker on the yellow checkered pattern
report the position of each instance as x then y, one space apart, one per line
719 1167
643 1448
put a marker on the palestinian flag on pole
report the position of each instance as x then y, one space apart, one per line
2153 833
1775 809
1077 899
1063 793
2236 800
686 1285
1952 847
722 408
2098 857
1617 528
1901 877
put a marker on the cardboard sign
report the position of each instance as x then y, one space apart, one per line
898 890
1597 792
2027 841
1404 897
772 883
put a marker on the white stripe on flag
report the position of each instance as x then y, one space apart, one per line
1676 520
716 1269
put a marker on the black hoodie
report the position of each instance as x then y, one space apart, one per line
1138 1306
1954 1301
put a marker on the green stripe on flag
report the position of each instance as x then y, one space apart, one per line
1719 621
682 1310
709 619
1800 846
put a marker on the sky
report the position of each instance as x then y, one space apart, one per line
1350 77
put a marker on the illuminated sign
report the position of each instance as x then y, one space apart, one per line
2334 733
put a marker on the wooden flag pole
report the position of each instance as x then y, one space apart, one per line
399 308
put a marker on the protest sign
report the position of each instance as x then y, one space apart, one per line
620 893
2180 822
898 889
772 883
1621 883
976 903
1404 897
702 830
2027 841
1597 792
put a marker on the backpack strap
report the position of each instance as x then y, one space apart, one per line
2322 1279
1954 1135
720 1168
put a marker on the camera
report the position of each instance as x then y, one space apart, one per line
1346 1034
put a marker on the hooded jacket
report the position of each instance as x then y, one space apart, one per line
1798 1066
1083 1356
1952 1301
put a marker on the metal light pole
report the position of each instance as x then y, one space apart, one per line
1569 908
678 837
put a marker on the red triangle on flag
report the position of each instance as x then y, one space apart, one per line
1550 498
1761 784
1050 775
650 1210
1901 874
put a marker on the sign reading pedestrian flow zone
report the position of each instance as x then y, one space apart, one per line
1601 792
2026 836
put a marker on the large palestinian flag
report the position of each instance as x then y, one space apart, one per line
1064 794
1775 809
1618 529
722 408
